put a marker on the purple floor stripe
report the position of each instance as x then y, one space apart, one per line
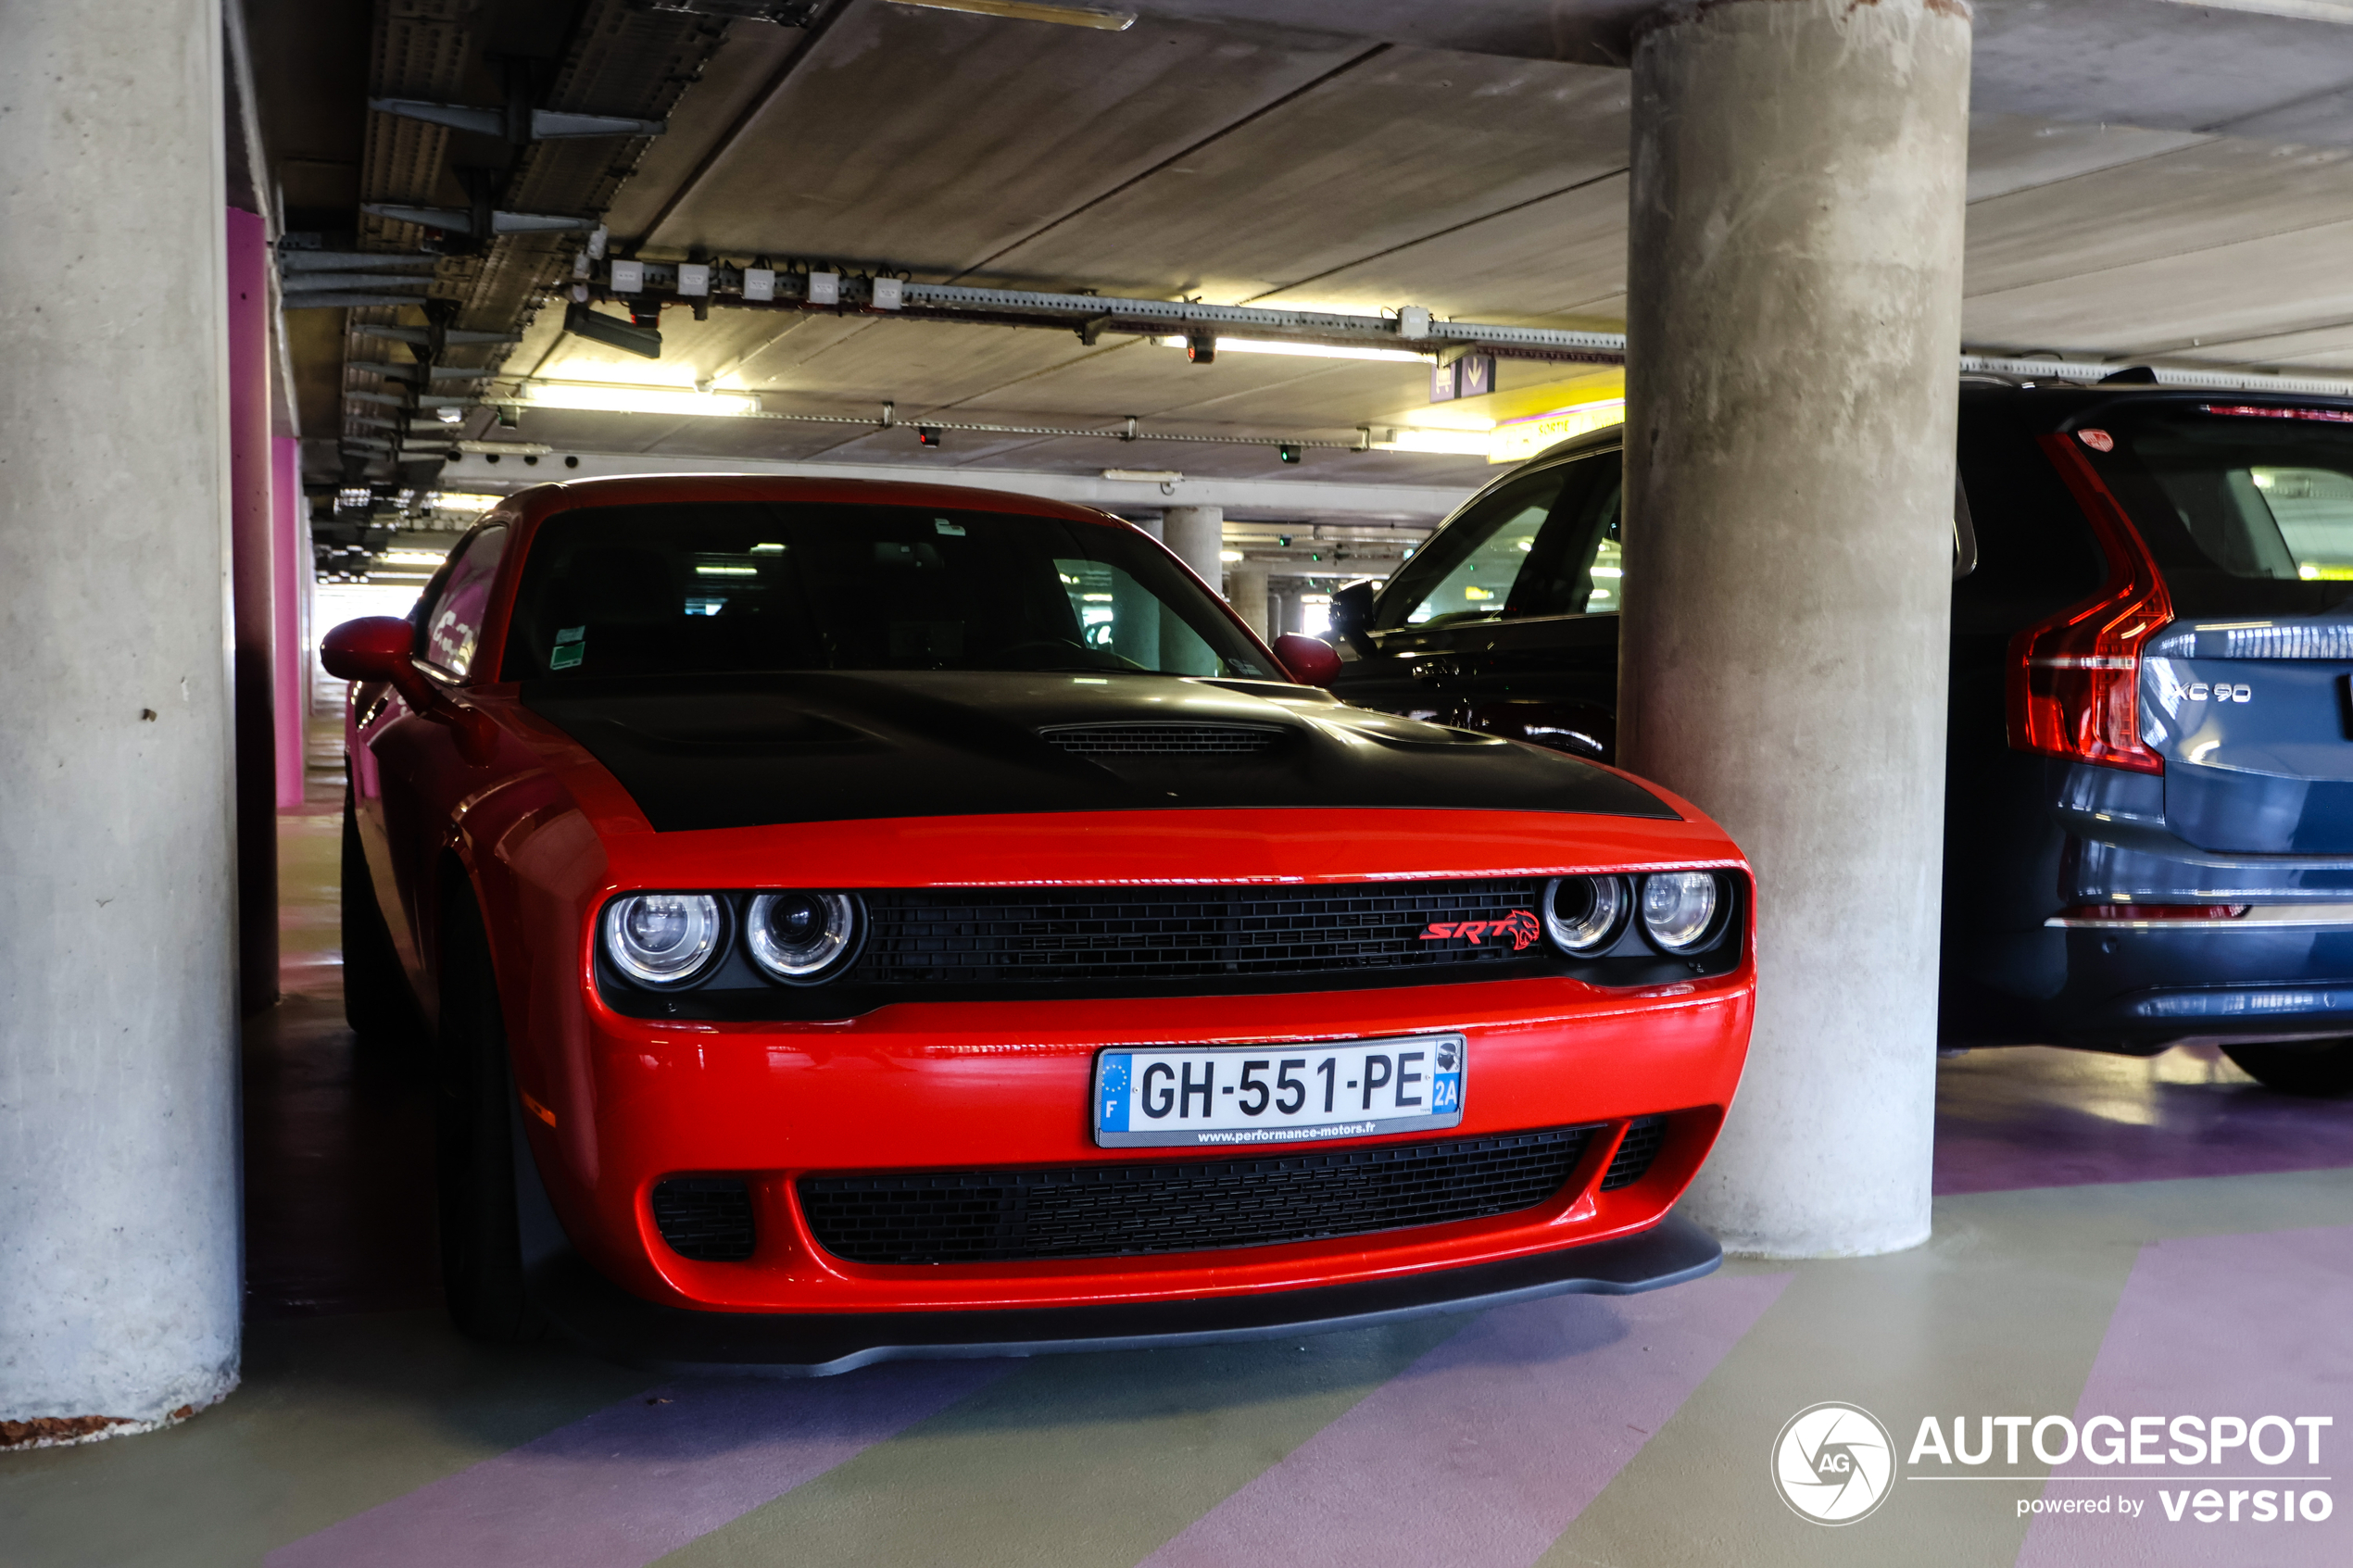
2233 1325
2031 1117
639 1479
1484 1450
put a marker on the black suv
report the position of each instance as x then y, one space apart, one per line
2149 775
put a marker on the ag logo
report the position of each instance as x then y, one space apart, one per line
1833 1463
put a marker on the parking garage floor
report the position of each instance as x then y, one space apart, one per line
2111 1236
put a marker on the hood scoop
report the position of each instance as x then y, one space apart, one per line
1162 739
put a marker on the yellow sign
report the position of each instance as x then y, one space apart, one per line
1517 440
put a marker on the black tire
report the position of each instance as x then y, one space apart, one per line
482 1273
376 999
2319 1068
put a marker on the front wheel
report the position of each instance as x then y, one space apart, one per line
2317 1067
482 1273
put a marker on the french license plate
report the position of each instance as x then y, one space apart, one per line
1208 1095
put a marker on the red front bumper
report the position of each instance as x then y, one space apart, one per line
618 1103
1008 1085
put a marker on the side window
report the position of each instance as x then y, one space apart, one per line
1118 615
1468 569
453 622
1576 565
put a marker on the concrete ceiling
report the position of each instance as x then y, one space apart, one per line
2147 178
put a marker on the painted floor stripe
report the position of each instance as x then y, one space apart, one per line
2234 1325
1483 1451
639 1479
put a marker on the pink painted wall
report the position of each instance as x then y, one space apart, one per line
254 609
289 585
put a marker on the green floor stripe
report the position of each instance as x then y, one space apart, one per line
1079 1461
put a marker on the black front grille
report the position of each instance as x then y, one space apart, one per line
1187 1206
706 1219
1635 1152
1162 740
1024 935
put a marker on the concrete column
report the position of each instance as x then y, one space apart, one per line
253 551
1246 591
120 1233
1197 535
1282 606
1794 314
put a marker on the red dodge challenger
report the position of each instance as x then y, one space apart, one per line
867 920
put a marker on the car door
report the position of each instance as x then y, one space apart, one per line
1506 620
399 758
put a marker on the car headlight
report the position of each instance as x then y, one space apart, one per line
801 938
1679 909
664 939
1584 914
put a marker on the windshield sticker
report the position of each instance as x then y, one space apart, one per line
2098 440
952 530
572 644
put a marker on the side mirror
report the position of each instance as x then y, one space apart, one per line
1352 613
1310 660
376 648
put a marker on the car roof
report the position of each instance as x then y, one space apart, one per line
637 490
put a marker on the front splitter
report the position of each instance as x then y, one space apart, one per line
584 1307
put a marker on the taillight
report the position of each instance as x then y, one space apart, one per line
2075 679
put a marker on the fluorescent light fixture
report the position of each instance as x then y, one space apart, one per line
461 501
1032 11
726 571
637 399
1144 476
1303 350
2302 10
1451 443
412 558
1229 556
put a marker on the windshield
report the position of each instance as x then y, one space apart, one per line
703 588
2261 494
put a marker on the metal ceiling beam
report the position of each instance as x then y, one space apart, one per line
1410 330
539 125
458 221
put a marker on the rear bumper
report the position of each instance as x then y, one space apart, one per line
2158 1017
2141 988
597 1315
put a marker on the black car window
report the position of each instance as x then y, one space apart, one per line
2033 552
2258 490
1541 544
698 588
1577 565
452 623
